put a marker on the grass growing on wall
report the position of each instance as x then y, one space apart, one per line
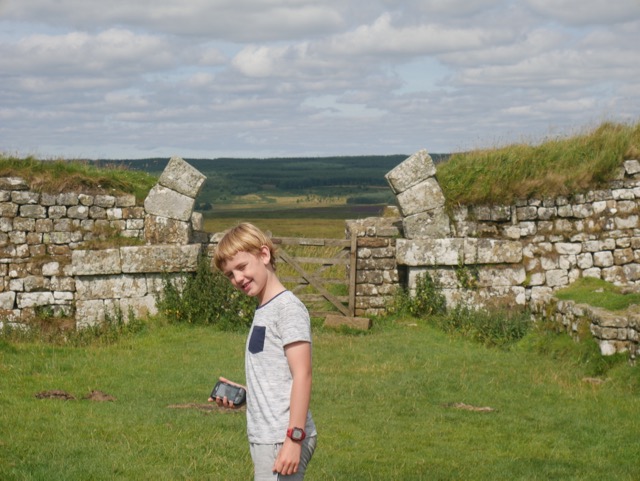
57 176
555 167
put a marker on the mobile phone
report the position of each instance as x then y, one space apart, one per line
234 394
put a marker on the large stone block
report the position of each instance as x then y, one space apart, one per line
604 318
411 171
501 276
160 258
34 299
429 252
165 202
178 175
431 224
139 307
89 313
455 251
445 278
424 196
163 230
110 287
96 262
497 251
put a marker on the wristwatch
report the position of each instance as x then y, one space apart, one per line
296 434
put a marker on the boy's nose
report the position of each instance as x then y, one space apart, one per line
237 277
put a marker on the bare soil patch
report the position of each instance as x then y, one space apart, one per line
94 395
55 394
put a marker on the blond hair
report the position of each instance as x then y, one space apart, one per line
244 237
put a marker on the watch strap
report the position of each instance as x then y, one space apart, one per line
296 434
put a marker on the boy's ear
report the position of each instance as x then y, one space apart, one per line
265 255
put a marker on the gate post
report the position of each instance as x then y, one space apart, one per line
374 270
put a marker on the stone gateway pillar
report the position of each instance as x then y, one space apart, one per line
419 197
169 205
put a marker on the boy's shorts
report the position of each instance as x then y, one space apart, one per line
264 455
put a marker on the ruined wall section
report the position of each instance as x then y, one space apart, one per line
517 254
47 265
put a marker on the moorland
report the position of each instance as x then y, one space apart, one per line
285 188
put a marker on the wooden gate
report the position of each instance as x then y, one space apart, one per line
319 271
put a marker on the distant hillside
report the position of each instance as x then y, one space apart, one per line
358 178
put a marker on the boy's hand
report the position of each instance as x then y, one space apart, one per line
288 458
224 402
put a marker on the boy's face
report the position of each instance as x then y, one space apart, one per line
248 272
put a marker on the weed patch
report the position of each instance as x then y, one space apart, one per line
498 328
492 328
427 300
207 297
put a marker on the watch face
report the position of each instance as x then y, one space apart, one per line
297 434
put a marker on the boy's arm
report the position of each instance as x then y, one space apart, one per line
299 359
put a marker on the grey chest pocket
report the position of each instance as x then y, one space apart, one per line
256 342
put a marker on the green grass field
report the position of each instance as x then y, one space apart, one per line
295 227
400 403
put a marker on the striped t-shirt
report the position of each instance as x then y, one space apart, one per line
281 321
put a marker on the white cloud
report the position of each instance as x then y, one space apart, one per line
111 52
588 12
445 8
386 38
237 20
307 77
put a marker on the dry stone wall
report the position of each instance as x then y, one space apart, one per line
515 255
518 254
46 264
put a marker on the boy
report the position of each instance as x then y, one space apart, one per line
281 431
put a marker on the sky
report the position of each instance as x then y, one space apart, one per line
287 78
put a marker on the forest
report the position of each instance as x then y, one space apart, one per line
348 180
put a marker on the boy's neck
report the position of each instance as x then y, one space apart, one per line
271 289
